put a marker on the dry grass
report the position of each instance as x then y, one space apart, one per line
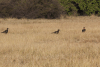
30 43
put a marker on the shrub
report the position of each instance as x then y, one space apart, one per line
5 10
49 9
81 7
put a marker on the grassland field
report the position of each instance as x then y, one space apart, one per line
29 42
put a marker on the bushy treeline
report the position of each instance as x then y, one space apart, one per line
81 7
49 9
31 9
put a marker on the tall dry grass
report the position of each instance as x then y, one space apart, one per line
30 43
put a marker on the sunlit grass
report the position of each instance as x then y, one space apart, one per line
30 43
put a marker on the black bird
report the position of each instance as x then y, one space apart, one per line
6 31
56 32
83 30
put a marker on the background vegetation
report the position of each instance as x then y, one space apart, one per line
81 7
49 9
